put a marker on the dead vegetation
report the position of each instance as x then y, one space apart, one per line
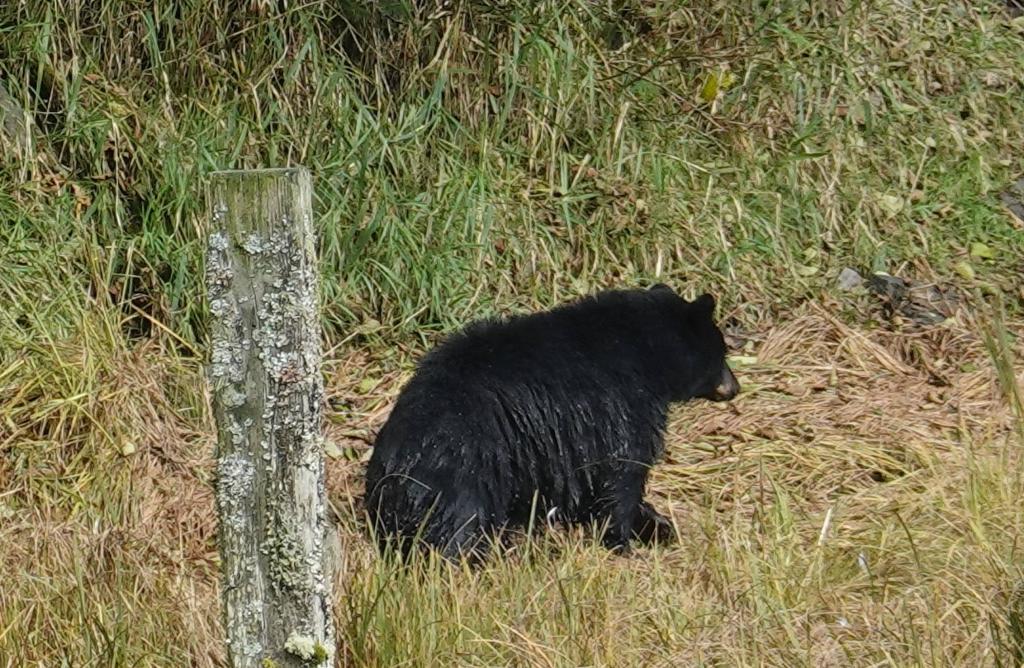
858 505
848 473
863 466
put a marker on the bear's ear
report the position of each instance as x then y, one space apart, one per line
661 287
704 305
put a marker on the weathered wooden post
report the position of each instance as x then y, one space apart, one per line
265 374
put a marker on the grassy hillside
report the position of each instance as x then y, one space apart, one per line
857 505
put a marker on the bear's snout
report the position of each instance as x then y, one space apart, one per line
727 387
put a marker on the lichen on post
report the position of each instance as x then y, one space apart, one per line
265 377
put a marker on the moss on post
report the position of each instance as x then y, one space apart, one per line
265 375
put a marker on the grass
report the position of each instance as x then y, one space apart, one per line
858 505
867 518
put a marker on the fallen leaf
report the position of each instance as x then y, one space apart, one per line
332 450
714 84
979 249
891 204
709 91
797 389
965 270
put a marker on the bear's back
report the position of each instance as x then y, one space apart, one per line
612 333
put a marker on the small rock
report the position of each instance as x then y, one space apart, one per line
849 279
922 304
890 287
1013 199
13 127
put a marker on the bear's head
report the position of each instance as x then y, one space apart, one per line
704 372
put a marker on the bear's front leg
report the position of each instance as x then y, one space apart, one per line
652 527
618 530
622 500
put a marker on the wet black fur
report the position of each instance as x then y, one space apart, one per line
566 406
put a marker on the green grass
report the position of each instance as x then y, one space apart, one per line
491 157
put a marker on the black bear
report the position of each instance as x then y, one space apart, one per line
559 413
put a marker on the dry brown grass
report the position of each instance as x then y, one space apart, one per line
852 507
108 520
842 408
856 505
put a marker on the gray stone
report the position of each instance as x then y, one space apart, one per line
1013 198
849 279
